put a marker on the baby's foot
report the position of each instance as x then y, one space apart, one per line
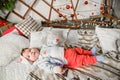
102 58
93 51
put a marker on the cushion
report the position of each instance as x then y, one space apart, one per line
10 30
85 38
48 37
11 46
28 25
107 38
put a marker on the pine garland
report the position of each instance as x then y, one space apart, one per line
7 5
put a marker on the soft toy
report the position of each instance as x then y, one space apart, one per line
52 39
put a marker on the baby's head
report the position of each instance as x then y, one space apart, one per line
31 54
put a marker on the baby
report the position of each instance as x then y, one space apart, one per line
53 59
31 54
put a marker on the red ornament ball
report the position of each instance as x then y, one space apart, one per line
86 2
67 6
92 13
60 15
95 5
72 15
103 12
101 8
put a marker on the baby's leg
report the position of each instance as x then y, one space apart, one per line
83 51
74 60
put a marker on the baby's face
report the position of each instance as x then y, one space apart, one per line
31 54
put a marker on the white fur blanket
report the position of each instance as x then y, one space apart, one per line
108 70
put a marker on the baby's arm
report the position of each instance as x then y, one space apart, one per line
50 67
58 69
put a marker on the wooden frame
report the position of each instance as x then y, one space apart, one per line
47 20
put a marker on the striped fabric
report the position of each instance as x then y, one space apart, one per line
28 25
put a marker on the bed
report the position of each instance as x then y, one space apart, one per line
106 40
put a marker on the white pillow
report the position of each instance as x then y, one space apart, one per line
46 37
107 38
11 46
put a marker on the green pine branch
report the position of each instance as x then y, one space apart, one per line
7 5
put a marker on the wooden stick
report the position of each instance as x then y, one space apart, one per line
54 9
74 11
17 14
30 8
34 10
109 7
76 4
50 12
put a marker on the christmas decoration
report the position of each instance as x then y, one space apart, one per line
86 2
7 5
72 15
3 23
60 15
103 12
101 8
67 6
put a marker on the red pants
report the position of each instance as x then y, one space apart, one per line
77 57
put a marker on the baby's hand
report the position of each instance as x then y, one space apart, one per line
58 69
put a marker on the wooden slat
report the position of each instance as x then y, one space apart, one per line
34 10
50 10
17 14
54 9
74 11
76 4
30 8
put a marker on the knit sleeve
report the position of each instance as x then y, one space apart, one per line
47 66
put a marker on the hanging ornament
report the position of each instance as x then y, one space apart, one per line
95 5
92 13
103 12
60 15
101 8
72 15
57 9
86 2
67 6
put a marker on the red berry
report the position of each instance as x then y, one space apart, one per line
67 6
103 12
101 8
60 15
86 2
72 15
